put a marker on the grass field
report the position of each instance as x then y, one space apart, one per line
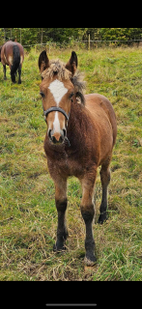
28 216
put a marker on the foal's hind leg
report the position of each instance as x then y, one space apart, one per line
4 71
105 179
12 76
19 72
61 205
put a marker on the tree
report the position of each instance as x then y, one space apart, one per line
31 36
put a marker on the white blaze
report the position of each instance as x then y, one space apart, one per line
56 123
58 90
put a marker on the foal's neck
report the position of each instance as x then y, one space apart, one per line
78 126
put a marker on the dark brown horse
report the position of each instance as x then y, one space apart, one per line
81 133
12 54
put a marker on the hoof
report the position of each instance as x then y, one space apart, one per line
90 260
59 245
57 248
102 218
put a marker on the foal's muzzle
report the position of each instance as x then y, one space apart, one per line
56 137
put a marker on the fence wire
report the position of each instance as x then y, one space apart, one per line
86 43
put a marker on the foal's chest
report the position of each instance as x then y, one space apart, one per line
65 165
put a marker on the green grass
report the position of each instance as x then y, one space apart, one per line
28 217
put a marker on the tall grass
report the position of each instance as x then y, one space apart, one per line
28 217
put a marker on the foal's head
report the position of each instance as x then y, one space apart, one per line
58 91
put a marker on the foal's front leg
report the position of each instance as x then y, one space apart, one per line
87 211
61 205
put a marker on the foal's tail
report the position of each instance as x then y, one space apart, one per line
16 61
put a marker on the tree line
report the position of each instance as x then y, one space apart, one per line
29 36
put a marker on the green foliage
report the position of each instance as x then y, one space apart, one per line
123 34
29 36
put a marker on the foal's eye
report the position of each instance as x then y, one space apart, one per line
71 95
42 94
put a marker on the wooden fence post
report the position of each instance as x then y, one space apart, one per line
4 35
10 33
41 36
89 41
20 36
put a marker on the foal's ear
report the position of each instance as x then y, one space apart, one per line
72 63
43 61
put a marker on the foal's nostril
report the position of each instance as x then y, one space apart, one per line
49 134
60 139
64 132
54 139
